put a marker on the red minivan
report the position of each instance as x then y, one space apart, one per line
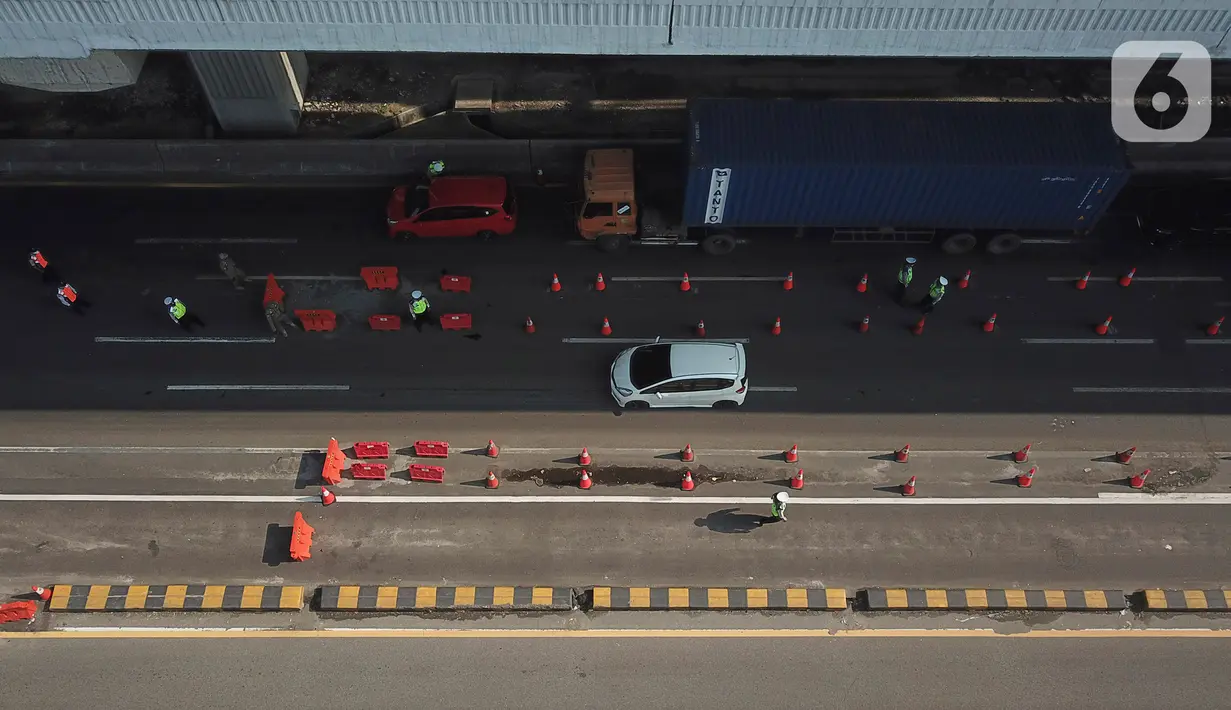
453 207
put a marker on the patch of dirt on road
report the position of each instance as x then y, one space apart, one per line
661 476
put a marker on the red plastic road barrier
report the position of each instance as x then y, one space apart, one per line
455 321
380 278
324 321
385 322
301 539
432 449
332 471
369 471
372 450
17 611
450 282
273 292
423 472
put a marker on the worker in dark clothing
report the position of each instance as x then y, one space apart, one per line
905 274
233 272
935 292
277 318
39 263
70 299
420 310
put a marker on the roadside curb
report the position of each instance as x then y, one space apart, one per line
387 598
995 599
715 599
1186 599
174 597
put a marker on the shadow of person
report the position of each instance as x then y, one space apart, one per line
728 520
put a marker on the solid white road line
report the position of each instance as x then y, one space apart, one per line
1039 240
1155 279
698 279
1206 341
1151 390
646 341
222 240
773 389
258 388
567 498
1088 341
187 340
330 277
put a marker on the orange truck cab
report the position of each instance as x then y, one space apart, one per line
608 214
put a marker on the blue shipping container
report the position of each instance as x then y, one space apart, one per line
904 164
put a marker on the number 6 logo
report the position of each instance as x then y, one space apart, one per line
1160 92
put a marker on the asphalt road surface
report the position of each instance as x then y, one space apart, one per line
928 671
113 245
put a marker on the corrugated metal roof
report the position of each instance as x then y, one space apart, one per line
790 132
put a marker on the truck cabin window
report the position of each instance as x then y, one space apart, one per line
597 209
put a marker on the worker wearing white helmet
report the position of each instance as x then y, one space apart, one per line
935 292
420 309
777 506
905 274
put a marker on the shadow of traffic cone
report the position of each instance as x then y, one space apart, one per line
965 280
863 284
43 593
327 496
606 329
777 329
791 455
1138 482
790 281
902 455
917 329
1127 279
492 482
529 325
1025 479
797 481
687 483
685 285
599 284
908 488
1083 282
555 283
492 450
585 482
1022 455
1104 327
584 457
687 456
989 325
701 328
1126 455
1212 329
865 324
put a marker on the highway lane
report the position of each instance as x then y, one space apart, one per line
927 671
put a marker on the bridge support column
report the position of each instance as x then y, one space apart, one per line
253 93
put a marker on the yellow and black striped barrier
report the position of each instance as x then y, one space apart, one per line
382 598
175 597
1187 599
995 599
716 598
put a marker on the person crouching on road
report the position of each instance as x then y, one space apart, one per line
420 310
180 315
70 299
777 507
233 272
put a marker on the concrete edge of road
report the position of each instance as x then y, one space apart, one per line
80 598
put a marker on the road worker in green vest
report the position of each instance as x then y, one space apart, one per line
905 274
436 168
420 309
935 292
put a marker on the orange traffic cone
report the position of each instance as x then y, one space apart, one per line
1022 455
492 450
606 329
584 457
1213 327
790 281
902 455
791 455
797 481
599 284
867 323
555 282
327 496
1025 479
42 593
990 325
863 284
777 329
685 285
687 483
1083 282
687 456
529 325
965 280
492 481
908 488
701 328
585 481
918 327
1126 455
1102 328
1139 480
1127 279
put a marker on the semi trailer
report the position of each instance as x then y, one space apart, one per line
959 174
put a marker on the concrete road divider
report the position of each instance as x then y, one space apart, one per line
379 598
1186 599
715 598
175 597
994 599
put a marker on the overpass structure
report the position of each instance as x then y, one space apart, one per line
249 54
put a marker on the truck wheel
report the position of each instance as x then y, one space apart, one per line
718 244
611 243
961 243
1004 244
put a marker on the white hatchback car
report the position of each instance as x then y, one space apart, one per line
692 374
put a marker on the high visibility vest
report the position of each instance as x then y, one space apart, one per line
67 294
776 509
37 259
936 291
419 307
905 275
177 310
